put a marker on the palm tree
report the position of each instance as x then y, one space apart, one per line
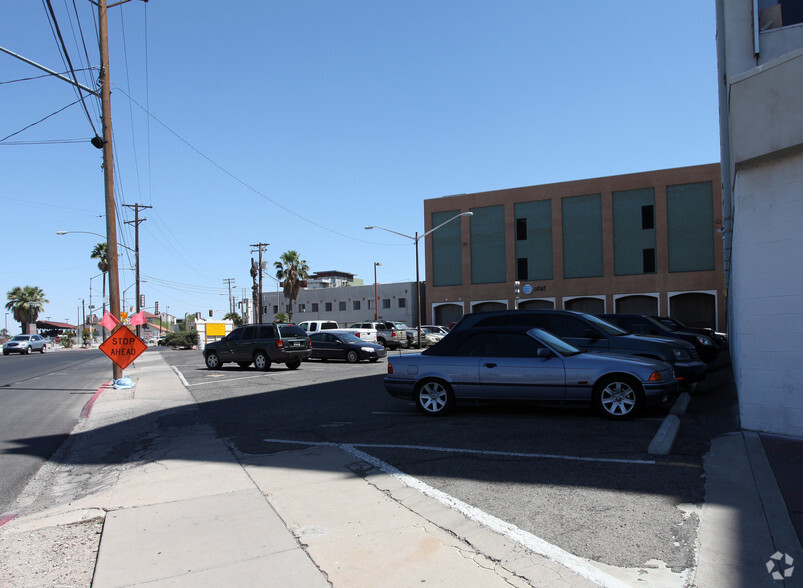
234 318
290 271
101 253
26 304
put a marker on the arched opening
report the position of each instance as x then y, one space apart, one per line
487 306
537 304
445 314
637 305
696 309
586 305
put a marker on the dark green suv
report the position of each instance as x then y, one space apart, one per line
261 345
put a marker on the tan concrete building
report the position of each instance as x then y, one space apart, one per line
647 242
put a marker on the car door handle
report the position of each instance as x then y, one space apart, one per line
489 365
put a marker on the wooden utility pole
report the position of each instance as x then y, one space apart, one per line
108 170
136 222
260 247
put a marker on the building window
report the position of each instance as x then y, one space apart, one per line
402 303
522 272
649 261
521 229
370 304
341 305
356 305
275 309
328 306
386 303
647 217
314 307
302 308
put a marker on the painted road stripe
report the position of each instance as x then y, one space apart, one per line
532 542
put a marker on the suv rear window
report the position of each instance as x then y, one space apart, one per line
291 331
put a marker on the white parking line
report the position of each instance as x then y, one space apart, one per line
508 530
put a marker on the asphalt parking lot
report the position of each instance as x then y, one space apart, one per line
567 477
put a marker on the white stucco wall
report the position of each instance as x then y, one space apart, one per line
766 322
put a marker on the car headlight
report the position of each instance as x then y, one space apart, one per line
704 341
681 354
367 349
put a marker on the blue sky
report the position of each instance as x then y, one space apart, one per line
298 123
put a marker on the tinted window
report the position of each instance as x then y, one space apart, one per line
318 337
266 332
290 331
249 333
235 335
499 345
569 326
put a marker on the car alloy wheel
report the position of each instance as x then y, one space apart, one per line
352 356
28 350
434 398
262 361
213 361
618 398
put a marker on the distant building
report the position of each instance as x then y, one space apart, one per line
347 304
647 243
332 279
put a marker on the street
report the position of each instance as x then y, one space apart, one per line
569 477
41 397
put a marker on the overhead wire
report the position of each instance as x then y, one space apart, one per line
65 54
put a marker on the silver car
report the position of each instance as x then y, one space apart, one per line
24 344
516 363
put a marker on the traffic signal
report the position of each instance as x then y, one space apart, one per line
156 307
142 300
210 314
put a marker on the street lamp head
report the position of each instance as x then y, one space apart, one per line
61 232
369 227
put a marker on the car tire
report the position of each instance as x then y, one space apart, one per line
28 350
42 350
352 356
262 361
373 359
243 364
213 361
382 342
293 365
5 352
434 397
618 397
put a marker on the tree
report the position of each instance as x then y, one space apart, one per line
234 318
26 304
290 271
101 253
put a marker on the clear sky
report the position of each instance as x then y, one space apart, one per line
298 123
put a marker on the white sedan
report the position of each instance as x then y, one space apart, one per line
24 344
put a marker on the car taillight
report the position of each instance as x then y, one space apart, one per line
393 333
390 368
279 344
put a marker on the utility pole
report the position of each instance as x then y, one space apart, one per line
260 247
108 170
136 222
229 282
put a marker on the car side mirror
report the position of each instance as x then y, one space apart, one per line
591 334
543 353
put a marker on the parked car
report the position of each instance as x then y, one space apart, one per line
640 324
521 363
437 329
24 344
721 339
428 338
344 345
387 334
316 326
591 333
261 345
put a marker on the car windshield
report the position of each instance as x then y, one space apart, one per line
604 325
21 337
557 344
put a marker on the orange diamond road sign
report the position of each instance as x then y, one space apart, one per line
123 347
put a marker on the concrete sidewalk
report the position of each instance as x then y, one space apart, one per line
177 507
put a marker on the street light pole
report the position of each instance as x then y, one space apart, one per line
376 294
415 240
